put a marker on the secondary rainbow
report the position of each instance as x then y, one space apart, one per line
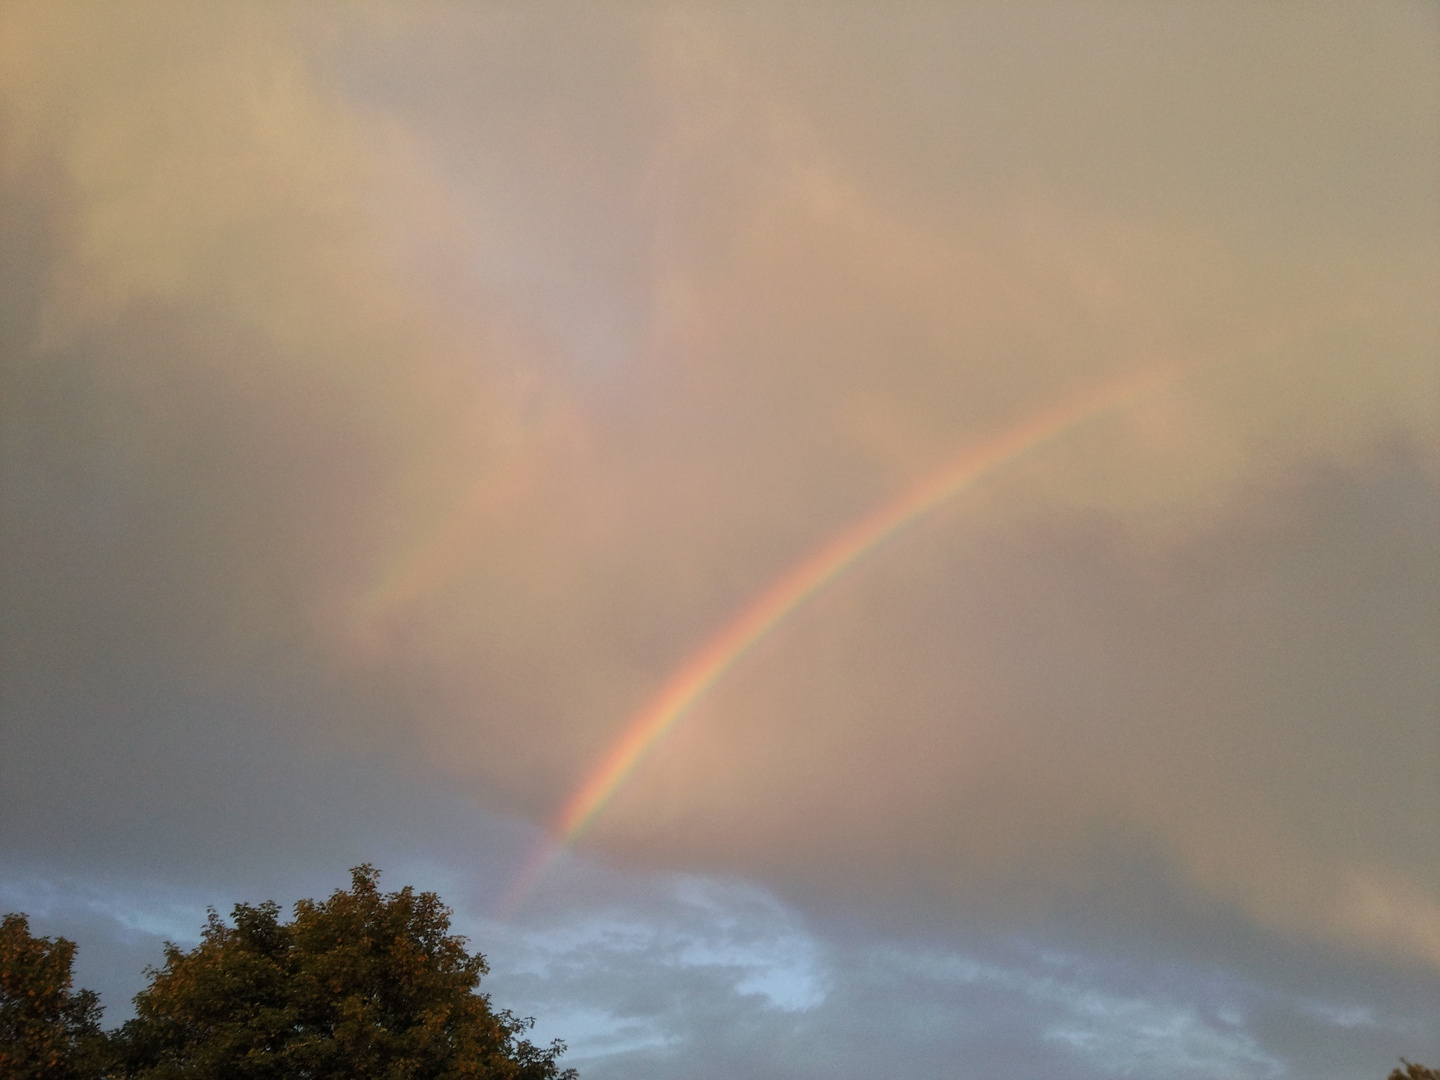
707 666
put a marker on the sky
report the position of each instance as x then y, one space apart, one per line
843 540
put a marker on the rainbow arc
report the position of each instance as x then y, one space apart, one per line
706 667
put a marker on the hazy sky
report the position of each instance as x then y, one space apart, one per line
393 398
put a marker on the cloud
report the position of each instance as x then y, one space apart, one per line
627 966
414 392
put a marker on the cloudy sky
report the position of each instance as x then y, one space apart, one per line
395 400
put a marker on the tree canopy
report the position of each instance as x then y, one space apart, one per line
47 1030
363 985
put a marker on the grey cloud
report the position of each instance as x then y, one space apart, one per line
648 984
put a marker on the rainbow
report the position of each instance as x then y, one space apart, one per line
718 655
424 565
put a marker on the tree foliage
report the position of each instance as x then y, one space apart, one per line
47 1031
1412 1071
363 986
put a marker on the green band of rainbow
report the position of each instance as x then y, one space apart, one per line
706 667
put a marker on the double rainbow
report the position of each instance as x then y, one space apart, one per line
707 666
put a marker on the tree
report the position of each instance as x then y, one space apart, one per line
47 1032
364 986
1412 1071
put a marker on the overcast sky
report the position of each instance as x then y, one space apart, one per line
393 398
